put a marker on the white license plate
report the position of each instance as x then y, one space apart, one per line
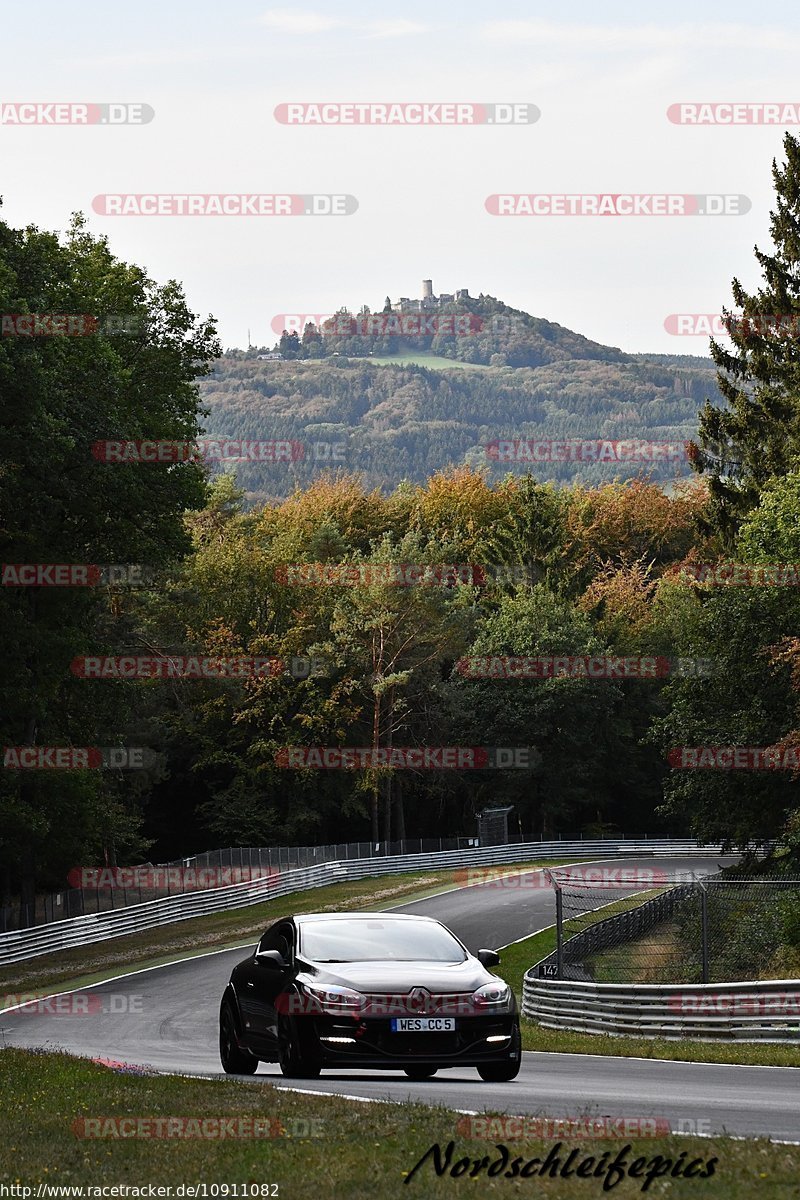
423 1024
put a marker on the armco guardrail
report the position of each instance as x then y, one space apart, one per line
98 927
758 1011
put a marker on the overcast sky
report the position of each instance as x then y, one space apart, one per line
603 77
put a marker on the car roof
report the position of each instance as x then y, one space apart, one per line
349 916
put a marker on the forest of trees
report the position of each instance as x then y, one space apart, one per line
394 423
583 571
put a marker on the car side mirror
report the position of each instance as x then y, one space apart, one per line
272 959
488 958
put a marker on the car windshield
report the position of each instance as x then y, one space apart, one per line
379 941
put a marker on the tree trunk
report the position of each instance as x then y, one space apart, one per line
374 798
27 879
27 888
110 852
400 810
386 807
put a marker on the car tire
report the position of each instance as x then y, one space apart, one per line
235 1061
296 1057
420 1071
504 1070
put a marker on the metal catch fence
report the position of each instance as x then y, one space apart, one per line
637 927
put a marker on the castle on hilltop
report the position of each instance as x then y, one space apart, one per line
428 301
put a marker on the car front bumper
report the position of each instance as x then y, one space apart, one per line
371 1042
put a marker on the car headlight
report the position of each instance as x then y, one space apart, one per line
494 996
334 999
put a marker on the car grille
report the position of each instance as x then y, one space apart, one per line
434 1004
375 1036
420 1046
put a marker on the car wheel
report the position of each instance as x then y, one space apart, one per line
500 1072
234 1060
420 1071
297 1058
503 1070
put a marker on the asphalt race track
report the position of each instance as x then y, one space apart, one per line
166 1018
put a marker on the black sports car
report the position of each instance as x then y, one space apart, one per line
368 990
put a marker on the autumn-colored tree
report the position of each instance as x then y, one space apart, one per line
630 522
460 508
619 599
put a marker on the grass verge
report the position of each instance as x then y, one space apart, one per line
356 1151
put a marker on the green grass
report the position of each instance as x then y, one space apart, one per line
359 1151
563 1041
656 956
419 358
406 358
182 939
517 958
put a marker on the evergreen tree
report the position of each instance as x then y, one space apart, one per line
758 436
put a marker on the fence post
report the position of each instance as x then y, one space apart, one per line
704 930
559 923
559 934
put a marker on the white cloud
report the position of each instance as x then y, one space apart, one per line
606 38
293 20
390 29
155 58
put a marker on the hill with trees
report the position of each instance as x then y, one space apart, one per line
528 379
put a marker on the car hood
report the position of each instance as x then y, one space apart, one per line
399 977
